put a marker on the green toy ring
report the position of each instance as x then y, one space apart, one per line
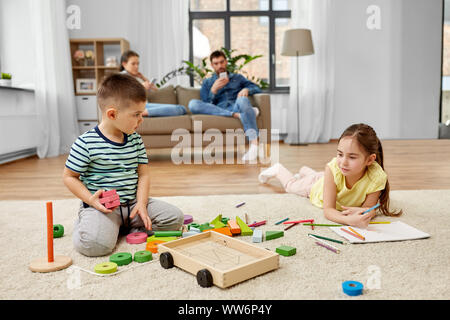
58 231
121 258
143 256
105 267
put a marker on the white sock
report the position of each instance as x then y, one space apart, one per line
271 172
256 111
252 153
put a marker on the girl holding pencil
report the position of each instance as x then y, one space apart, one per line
353 181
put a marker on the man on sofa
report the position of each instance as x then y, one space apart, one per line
226 94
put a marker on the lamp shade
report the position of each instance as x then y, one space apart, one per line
297 42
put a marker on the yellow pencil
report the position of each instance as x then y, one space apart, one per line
379 222
356 233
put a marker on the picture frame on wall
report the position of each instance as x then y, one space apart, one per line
86 86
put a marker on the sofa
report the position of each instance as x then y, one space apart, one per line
157 132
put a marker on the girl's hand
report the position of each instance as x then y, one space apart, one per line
94 202
360 220
141 210
352 210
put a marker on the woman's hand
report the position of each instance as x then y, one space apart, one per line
94 202
141 210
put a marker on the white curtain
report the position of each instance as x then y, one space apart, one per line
161 38
315 72
54 96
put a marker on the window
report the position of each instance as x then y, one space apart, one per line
253 27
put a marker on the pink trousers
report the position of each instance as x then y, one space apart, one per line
300 183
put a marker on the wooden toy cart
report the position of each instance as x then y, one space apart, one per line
217 259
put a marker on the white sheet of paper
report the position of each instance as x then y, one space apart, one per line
394 231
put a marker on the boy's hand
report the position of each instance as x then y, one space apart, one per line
141 210
94 202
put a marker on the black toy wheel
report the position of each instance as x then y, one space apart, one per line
204 278
166 260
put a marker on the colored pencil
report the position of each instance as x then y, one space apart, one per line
257 224
322 225
371 208
281 221
294 224
379 222
325 243
356 233
325 238
298 221
240 204
351 233
327 247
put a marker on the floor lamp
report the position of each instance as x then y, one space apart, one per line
296 43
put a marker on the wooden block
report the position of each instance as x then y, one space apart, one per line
205 226
108 193
164 239
270 235
217 222
152 246
112 204
257 236
225 220
245 230
173 233
189 233
286 251
109 199
234 227
226 231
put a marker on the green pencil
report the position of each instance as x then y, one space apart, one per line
322 225
324 238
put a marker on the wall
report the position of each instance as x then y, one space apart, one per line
16 42
388 78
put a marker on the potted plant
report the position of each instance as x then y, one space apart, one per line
201 71
6 79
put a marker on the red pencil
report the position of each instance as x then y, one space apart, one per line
299 221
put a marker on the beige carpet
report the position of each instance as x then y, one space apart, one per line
417 269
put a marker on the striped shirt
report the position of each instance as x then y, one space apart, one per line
105 164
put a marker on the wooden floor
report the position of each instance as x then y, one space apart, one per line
410 164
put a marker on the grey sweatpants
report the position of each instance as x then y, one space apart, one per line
95 233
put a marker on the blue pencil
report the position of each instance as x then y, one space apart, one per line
370 209
282 221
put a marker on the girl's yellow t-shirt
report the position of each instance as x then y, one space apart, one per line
373 180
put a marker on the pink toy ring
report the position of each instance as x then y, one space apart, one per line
136 237
188 219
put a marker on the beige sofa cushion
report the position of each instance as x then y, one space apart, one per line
163 95
164 125
184 95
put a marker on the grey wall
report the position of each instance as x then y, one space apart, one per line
389 78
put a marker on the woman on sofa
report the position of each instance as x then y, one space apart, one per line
129 64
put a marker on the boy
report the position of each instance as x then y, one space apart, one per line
112 156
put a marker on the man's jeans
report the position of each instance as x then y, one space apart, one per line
241 106
164 110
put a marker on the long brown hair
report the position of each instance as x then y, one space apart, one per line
125 56
368 140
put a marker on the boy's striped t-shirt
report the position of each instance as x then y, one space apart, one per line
105 164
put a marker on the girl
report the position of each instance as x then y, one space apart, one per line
353 181
129 64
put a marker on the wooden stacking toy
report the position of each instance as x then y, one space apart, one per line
51 262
